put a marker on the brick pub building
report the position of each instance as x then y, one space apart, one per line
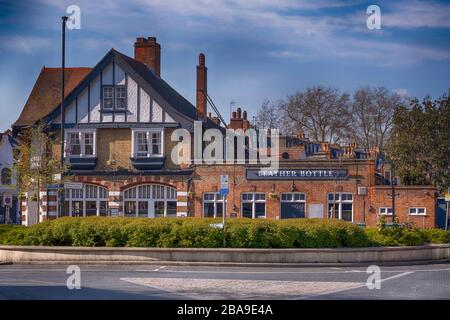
119 119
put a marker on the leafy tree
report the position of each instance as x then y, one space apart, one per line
35 166
419 144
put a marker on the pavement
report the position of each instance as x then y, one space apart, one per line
159 282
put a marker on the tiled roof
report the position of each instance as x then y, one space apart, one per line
46 93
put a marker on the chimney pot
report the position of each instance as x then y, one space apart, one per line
244 115
233 114
201 59
239 113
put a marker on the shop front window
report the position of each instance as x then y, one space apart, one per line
150 200
90 200
253 205
213 205
292 205
340 206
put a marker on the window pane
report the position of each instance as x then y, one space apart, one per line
77 208
74 141
171 208
159 208
130 208
260 210
156 143
107 97
121 97
89 143
103 208
421 210
219 209
247 210
65 209
143 208
91 208
347 211
208 209
333 210
208 196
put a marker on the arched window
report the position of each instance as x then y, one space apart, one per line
150 200
6 176
91 200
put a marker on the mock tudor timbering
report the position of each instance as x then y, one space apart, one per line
120 116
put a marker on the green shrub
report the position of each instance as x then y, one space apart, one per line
197 233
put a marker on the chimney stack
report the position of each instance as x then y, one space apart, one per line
202 87
148 51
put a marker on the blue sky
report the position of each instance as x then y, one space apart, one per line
255 49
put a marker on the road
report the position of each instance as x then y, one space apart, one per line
36 282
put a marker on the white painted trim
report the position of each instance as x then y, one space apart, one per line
181 204
114 193
182 193
181 214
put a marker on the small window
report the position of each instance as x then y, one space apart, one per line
387 211
121 97
417 211
6 176
107 97
147 143
80 144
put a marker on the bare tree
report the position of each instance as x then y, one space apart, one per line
322 113
268 115
372 111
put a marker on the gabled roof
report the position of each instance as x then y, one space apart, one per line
44 101
46 93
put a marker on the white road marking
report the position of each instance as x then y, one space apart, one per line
240 289
360 286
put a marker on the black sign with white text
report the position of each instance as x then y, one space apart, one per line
296 174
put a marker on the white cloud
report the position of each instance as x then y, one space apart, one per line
26 45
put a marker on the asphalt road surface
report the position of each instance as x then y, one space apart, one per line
36 282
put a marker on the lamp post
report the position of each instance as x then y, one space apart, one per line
63 114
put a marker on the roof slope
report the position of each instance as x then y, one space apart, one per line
176 100
46 93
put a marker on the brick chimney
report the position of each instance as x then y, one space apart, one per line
148 51
239 120
202 87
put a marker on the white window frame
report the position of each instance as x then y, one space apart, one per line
117 97
170 195
81 135
112 97
68 198
340 202
416 209
384 211
150 153
293 200
253 201
214 201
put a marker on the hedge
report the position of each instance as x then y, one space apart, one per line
198 232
